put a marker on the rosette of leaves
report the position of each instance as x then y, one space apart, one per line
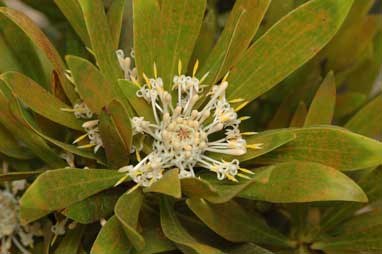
304 163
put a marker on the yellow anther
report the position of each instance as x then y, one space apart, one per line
121 180
225 77
86 146
179 67
241 106
246 171
243 176
137 154
133 189
196 66
80 138
54 239
68 109
238 100
204 77
254 146
249 133
155 70
146 80
243 118
233 179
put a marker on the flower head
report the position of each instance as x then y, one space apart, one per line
183 136
82 111
11 231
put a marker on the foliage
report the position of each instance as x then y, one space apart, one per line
310 179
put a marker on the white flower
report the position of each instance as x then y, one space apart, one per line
183 136
82 111
126 64
11 231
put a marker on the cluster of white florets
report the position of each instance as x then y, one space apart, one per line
82 111
182 134
126 64
11 232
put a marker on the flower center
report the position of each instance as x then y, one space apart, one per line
181 141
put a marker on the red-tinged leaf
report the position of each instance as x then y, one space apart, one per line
73 13
111 239
173 229
299 116
178 35
115 19
290 43
127 211
43 43
321 109
328 145
305 182
233 223
241 27
61 188
100 38
169 184
146 31
368 120
94 88
40 100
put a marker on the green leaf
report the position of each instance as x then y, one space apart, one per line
12 176
169 184
206 40
24 117
249 248
321 110
216 191
146 30
368 120
270 141
362 222
348 103
94 88
93 208
43 43
100 38
72 241
337 214
129 90
10 147
25 56
35 143
299 116
173 230
305 182
111 239
40 100
238 33
127 211
232 222
179 33
115 18
61 188
337 54
328 145
367 241
290 43
117 151
73 13
156 242
121 120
